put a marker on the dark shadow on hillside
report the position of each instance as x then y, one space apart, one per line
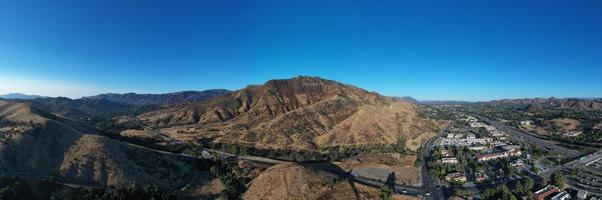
390 180
334 169
352 184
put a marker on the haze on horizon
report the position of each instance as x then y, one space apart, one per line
474 50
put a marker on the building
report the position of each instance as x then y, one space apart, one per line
582 194
517 163
477 124
561 196
464 142
456 177
510 147
446 153
545 192
527 122
572 134
480 177
492 156
471 136
489 156
450 160
477 148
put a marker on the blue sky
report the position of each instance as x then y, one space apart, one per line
456 50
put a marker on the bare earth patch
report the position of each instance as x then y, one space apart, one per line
403 166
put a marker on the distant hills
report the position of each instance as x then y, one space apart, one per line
112 104
19 96
134 99
572 103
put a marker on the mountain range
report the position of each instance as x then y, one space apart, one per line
46 136
133 99
19 96
305 113
572 103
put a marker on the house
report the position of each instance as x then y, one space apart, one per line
517 163
545 192
471 136
450 160
561 196
489 156
456 177
527 122
572 134
510 147
477 148
582 194
477 124
480 177
445 153
492 156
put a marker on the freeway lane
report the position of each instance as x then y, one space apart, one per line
521 135
428 185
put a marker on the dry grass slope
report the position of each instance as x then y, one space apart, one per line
301 113
37 144
290 181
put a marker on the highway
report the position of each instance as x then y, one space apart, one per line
428 185
521 135
400 189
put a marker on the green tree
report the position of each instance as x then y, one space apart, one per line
490 193
558 180
385 193
529 183
519 188
544 181
460 193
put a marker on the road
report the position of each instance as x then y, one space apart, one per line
521 135
429 185
400 189
42 178
585 160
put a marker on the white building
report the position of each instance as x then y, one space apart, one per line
527 122
582 194
450 160
561 196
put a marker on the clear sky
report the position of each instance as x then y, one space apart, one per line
457 50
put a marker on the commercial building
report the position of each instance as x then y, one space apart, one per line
492 156
582 194
464 142
561 196
451 160
545 192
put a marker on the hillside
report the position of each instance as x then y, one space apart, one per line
290 181
36 144
78 108
572 103
306 113
19 96
134 99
